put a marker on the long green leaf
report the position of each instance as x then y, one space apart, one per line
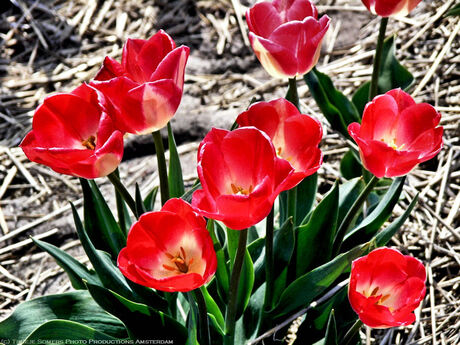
213 309
245 285
348 193
314 239
309 286
306 196
64 330
77 306
75 270
175 180
138 318
222 272
454 10
369 226
335 106
102 228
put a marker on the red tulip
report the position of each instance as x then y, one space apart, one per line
286 36
73 135
386 287
169 250
295 136
241 176
146 88
391 8
396 134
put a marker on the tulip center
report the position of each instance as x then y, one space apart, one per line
178 262
240 190
375 293
392 143
279 151
89 143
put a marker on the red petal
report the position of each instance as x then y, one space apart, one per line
129 60
111 68
263 18
173 66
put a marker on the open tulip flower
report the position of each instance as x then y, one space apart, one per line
391 8
170 250
295 136
396 134
146 88
286 36
386 287
241 176
73 135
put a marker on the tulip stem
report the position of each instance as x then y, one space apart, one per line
292 204
351 214
352 332
292 95
114 179
269 260
162 170
230 317
203 317
373 90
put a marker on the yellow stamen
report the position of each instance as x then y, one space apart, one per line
90 143
240 190
179 261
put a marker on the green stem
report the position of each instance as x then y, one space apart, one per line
373 90
162 170
120 207
203 317
292 204
123 192
230 317
351 214
292 95
269 261
352 332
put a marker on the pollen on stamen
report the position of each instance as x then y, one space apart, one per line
90 143
169 268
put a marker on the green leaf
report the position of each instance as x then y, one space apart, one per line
77 306
175 180
124 219
306 196
222 272
213 310
64 330
391 76
314 239
138 318
283 246
140 208
245 285
257 252
384 236
369 226
335 106
331 331
149 201
192 322
348 193
350 166
305 289
453 11
75 270
188 194
102 228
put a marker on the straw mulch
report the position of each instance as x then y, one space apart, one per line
54 45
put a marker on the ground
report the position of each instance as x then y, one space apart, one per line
54 45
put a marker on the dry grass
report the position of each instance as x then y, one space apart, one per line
55 45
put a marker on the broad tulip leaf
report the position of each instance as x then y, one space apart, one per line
102 228
192 322
124 219
331 330
369 226
245 285
149 201
257 251
75 270
138 318
454 10
213 309
77 306
350 166
348 193
305 289
64 330
335 106
314 239
391 76
306 196
108 273
283 246
175 179
384 236
222 272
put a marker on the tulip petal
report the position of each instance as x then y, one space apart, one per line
110 69
416 120
263 18
173 66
